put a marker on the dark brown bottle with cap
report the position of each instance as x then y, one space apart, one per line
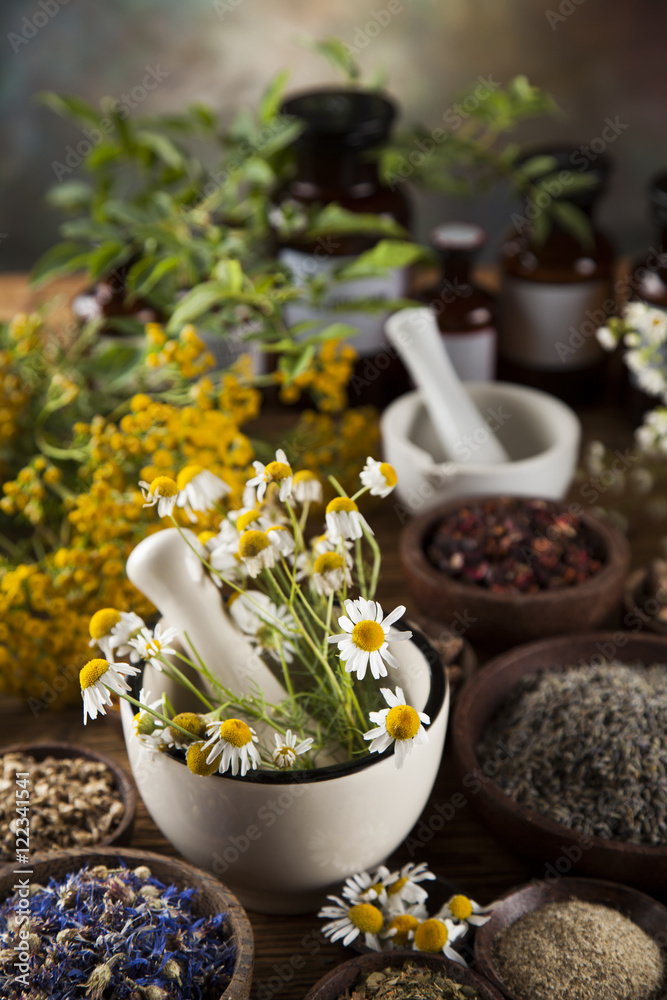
556 294
465 312
334 162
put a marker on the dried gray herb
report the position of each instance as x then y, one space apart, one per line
73 802
578 951
589 749
408 982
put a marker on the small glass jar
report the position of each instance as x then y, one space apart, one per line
334 162
465 312
556 294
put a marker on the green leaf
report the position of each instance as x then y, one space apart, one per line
537 166
163 148
385 255
574 221
339 56
272 98
70 196
63 258
105 259
230 275
304 361
334 219
196 303
541 227
155 274
69 106
117 364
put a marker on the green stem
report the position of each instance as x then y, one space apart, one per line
156 715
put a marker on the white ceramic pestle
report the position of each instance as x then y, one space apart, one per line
166 570
455 418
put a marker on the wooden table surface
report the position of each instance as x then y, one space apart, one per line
290 953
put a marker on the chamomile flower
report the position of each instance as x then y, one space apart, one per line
147 729
364 639
606 338
256 552
399 724
349 921
233 742
199 490
401 930
467 911
306 487
379 477
404 887
323 543
152 645
269 626
344 520
278 471
437 936
222 553
98 679
330 573
366 888
163 492
287 749
100 626
281 538
129 627
195 725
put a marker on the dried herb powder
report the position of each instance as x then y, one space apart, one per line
113 934
408 981
73 802
578 951
588 749
513 545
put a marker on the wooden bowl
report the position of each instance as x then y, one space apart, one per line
125 786
502 620
554 849
647 913
212 897
344 976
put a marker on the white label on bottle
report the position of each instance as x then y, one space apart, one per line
552 327
370 338
473 354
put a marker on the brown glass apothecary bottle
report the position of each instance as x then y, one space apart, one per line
465 312
334 162
556 294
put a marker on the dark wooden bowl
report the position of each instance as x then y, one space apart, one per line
344 976
637 604
212 897
502 620
122 834
554 849
647 913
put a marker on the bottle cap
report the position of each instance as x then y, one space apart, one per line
350 118
464 236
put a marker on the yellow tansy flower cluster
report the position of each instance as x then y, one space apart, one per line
188 353
325 379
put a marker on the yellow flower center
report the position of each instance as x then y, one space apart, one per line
277 527
328 562
252 543
460 907
285 752
91 673
389 473
402 722
341 504
196 760
368 635
153 647
248 518
275 472
102 622
431 936
163 486
403 924
206 536
236 732
366 917
190 721
187 474
396 886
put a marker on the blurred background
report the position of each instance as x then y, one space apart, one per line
600 59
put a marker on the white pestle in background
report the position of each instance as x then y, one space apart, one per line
415 335
166 571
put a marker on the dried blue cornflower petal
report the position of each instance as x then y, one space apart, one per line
116 932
